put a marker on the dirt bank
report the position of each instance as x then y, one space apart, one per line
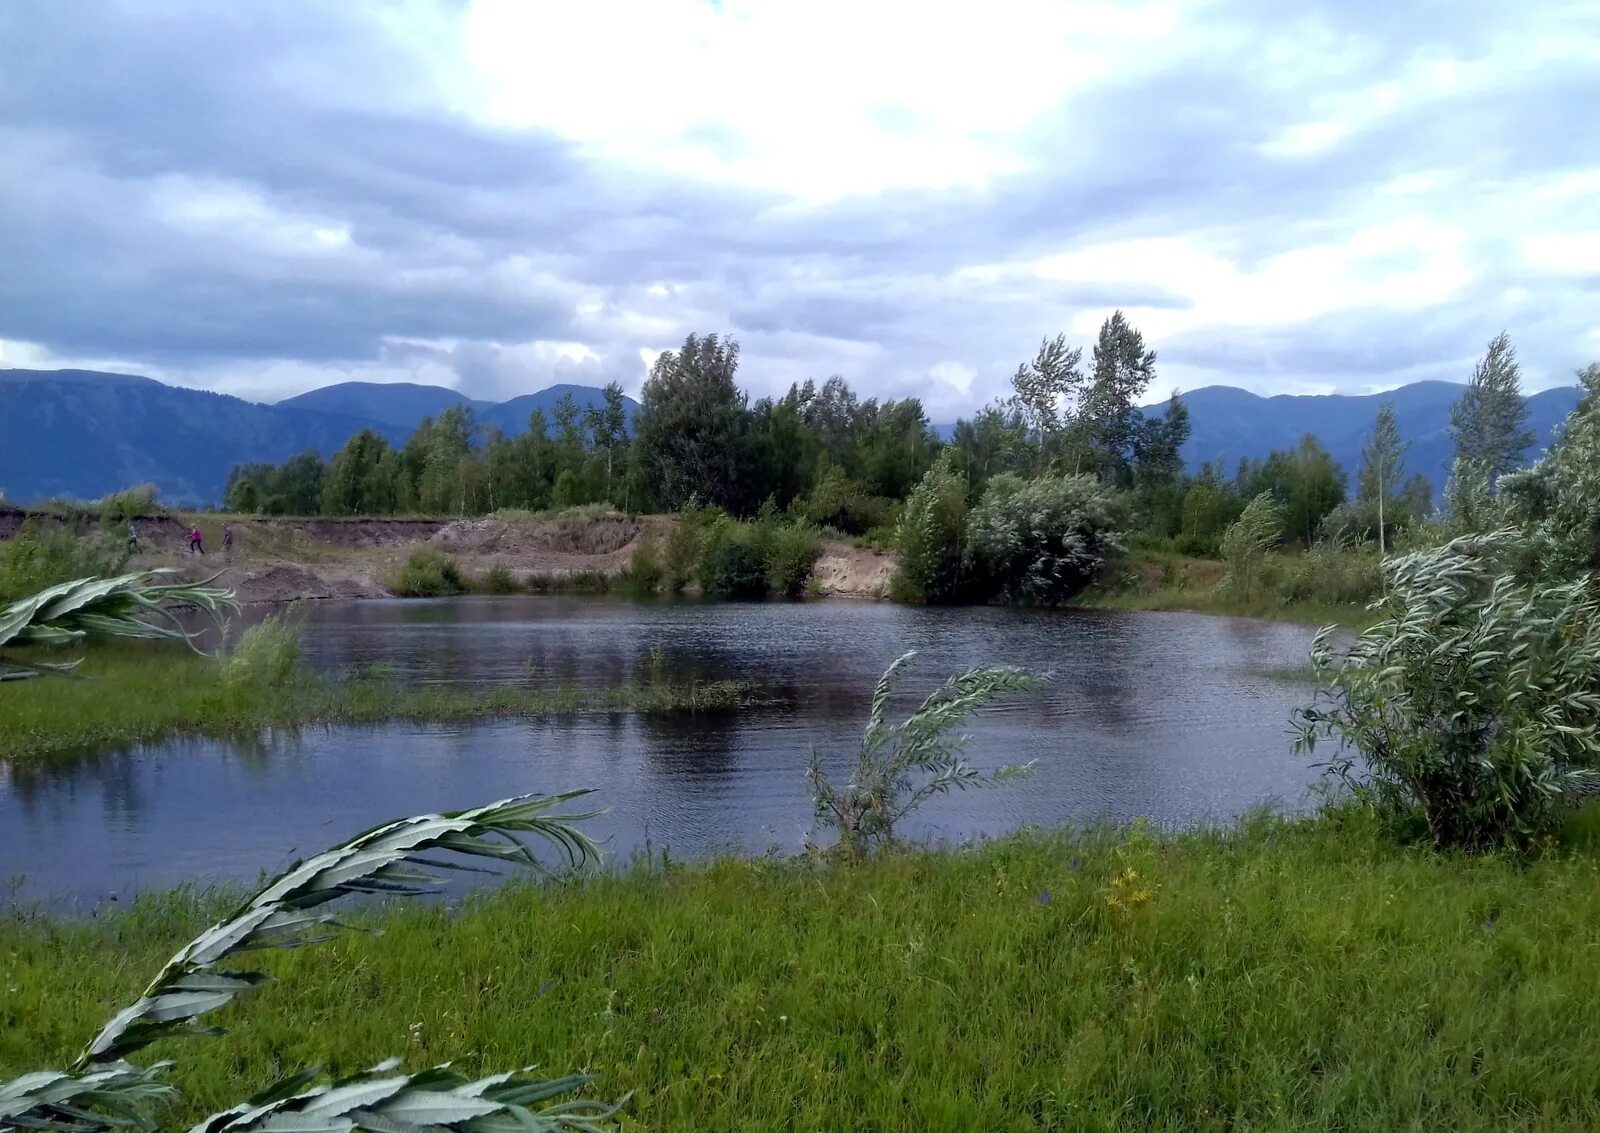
281 559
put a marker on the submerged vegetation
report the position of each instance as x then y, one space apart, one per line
127 695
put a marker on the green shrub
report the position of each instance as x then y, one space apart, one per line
900 766
1040 541
46 552
646 572
788 553
266 653
583 581
119 507
499 579
1475 703
568 491
734 570
932 538
1337 576
428 574
840 503
1246 542
686 547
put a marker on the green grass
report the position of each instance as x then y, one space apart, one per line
144 692
1204 601
1291 589
1279 975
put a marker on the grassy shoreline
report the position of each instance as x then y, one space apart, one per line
1280 974
1191 601
131 694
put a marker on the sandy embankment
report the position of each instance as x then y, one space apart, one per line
279 559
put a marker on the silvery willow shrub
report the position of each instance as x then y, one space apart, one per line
1474 705
1041 542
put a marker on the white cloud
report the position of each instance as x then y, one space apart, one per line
813 99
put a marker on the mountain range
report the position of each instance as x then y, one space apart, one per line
82 434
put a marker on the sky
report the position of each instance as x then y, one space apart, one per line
261 198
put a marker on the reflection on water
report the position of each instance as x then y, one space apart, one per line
1166 715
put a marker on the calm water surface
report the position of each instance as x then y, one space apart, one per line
1172 716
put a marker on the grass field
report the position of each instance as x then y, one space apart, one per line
132 692
1307 975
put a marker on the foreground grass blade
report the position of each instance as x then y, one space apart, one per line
285 913
388 1102
130 605
112 1095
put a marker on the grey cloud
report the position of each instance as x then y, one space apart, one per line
309 108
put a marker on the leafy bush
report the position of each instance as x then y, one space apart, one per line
1475 703
129 503
1248 539
788 553
1334 575
568 491
901 766
687 545
1558 499
265 654
499 579
646 572
838 502
1040 541
428 574
734 570
46 552
932 538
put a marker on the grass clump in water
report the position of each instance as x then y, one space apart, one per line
133 693
498 579
265 654
428 574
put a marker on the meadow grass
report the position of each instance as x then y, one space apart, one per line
1276 975
137 692
1291 589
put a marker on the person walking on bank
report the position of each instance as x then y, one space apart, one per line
195 545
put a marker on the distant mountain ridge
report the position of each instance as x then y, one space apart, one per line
1229 423
82 434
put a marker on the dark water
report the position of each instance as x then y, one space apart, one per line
1170 716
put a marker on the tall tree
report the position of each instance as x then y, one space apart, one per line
356 483
1046 392
1158 466
1123 370
1382 466
692 424
608 435
1489 423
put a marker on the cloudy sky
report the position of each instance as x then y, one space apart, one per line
263 197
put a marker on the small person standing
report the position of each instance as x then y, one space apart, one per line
227 544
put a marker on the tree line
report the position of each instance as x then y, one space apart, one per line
823 453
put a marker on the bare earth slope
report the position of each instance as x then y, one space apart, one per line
281 559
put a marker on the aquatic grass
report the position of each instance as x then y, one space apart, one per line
1279 975
132 694
265 654
427 573
581 581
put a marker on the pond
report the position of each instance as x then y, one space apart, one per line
1177 717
